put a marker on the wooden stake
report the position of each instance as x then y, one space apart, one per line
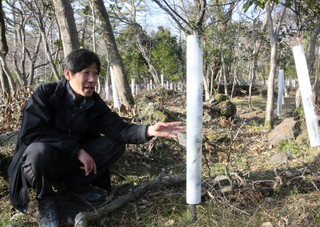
193 212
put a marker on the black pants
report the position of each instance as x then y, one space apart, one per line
43 167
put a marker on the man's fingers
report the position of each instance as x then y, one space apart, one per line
88 169
95 169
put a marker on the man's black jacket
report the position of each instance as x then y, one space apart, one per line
44 120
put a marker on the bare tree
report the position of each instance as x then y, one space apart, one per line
40 21
6 80
190 22
67 24
129 17
313 41
124 90
273 34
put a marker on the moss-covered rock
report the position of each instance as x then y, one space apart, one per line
264 93
303 138
210 112
220 98
224 105
227 108
214 137
155 113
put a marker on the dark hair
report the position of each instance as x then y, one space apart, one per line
79 59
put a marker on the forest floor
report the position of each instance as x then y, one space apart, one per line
266 190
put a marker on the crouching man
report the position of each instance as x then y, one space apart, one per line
69 138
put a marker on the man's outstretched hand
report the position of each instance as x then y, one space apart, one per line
165 129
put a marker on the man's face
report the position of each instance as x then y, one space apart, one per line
83 83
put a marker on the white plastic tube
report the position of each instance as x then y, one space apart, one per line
162 84
194 118
106 87
132 86
306 95
280 92
114 91
286 83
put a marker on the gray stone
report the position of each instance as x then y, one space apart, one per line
287 130
182 139
278 158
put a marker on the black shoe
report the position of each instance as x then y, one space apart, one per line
48 215
93 198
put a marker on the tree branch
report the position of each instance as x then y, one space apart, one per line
84 219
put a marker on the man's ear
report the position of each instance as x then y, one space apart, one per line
67 74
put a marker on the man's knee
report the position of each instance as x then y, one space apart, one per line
40 154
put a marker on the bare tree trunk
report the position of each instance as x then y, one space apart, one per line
121 80
6 72
205 82
84 30
6 80
251 83
273 67
254 63
212 83
313 41
146 55
67 24
36 11
33 60
206 87
224 69
130 18
5 89
234 81
93 26
318 68
47 51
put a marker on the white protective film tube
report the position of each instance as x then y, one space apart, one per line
286 83
306 95
194 118
132 86
116 103
162 84
280 92
106 87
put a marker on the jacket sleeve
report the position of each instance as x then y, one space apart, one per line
114 127
37 123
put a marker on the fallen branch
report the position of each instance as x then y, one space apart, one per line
84 219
